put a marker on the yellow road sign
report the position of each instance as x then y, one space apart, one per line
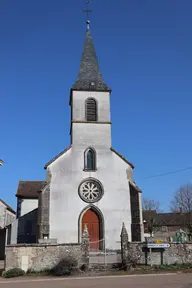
158 241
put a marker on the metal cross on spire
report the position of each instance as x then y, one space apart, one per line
87 11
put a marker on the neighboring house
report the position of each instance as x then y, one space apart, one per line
7 216
89 183
165 224
24 228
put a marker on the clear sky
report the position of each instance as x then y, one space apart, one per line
145 54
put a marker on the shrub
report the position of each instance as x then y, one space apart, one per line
14 272
65 266
44 272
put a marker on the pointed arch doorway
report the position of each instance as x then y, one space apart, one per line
93 221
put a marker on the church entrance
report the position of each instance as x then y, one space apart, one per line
92 220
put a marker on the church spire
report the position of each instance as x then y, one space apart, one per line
89 76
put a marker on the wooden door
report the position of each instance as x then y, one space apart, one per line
91 219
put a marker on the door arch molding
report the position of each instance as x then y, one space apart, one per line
101 224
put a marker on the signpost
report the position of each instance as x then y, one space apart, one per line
156 245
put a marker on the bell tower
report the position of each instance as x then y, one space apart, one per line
90 101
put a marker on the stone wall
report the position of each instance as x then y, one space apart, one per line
46 254
176 253
39 257
137 252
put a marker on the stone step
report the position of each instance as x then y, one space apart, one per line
101 253
101 259
102 266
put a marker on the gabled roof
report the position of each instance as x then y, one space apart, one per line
123 158
64 151
29 189
56 157
165 219
7 206
89 77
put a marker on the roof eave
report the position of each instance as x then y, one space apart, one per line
57 156
135 186
123 158
8 207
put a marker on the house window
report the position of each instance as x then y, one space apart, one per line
45 236
90 159
164 229
91 109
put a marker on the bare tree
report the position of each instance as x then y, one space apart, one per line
182 201
151 205
151 208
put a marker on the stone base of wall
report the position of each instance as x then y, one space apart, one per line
38 257
175 254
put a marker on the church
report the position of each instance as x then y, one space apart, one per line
89 184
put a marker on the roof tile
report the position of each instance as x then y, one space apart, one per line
29 189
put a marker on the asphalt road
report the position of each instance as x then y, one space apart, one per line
145 281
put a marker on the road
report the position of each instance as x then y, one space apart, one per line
145 281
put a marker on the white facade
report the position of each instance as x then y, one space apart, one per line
6 216
61 209
28 205
66 207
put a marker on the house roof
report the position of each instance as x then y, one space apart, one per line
165 219
29 189
123 158
8 207
56 157
89 76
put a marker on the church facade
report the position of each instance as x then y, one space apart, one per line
89 184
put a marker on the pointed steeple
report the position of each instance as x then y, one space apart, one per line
89 77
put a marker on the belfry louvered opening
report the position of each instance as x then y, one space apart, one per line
91 109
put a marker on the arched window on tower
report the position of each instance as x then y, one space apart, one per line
90 159
91 109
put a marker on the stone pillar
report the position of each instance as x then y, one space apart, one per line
124 247
43 209
85 248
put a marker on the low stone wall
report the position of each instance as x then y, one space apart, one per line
176 253
135 252
39 257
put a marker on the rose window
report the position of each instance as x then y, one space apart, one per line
90 191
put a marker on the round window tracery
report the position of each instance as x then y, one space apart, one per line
90 191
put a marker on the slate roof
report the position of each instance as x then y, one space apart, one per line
165 219
89 77
29 189
8 207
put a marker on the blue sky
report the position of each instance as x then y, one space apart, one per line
144 50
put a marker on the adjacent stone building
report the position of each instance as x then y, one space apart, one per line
89 183
7 216
165 225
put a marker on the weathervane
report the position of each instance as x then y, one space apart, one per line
87 11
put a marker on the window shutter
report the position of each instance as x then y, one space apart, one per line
91 110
